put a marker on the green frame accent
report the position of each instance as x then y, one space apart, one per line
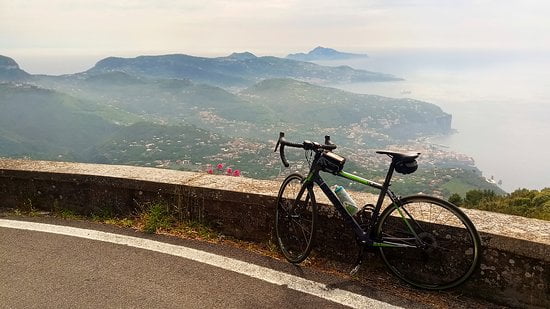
359 179
406 221
309 177
391 245
382 244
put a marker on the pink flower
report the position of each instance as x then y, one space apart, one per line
210 171
236 173
229 171
220 166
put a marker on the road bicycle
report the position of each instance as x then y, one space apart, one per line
425 241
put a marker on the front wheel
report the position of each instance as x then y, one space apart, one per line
295 219
428 242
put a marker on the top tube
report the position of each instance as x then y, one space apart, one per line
360 180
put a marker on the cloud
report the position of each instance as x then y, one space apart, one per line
270 27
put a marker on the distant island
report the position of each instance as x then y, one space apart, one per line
323 53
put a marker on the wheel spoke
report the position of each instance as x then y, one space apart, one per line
411 218
299 239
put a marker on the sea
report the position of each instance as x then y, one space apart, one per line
499 101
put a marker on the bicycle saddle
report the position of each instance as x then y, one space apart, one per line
400 156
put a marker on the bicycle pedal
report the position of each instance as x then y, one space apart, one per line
355 270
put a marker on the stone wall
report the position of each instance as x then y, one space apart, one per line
515 267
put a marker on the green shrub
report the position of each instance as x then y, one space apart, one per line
157 216
521 202
456 199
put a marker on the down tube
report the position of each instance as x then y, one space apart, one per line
338 205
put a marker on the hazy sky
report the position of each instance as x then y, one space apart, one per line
32 31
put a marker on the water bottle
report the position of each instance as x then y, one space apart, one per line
346 200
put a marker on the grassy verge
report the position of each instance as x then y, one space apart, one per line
154 218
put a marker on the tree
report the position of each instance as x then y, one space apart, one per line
456 199
521 202
473 197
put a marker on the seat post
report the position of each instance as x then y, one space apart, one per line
385 186
389 175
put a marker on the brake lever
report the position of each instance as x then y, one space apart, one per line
327 140
329 143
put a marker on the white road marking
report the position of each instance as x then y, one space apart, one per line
262 273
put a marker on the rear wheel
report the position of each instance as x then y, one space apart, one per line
443 245
296 217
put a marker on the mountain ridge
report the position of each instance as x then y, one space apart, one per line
10 70
45 121
236 70
305 103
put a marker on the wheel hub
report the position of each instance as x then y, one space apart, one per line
427 242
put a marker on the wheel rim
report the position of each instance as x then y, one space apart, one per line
447 252
295 219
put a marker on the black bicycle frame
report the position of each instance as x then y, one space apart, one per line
364 236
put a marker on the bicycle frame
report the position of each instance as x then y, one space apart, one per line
364 236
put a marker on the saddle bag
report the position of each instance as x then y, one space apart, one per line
406 167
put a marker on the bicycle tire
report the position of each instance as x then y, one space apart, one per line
451 247
295 219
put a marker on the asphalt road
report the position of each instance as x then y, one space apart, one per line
46 270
